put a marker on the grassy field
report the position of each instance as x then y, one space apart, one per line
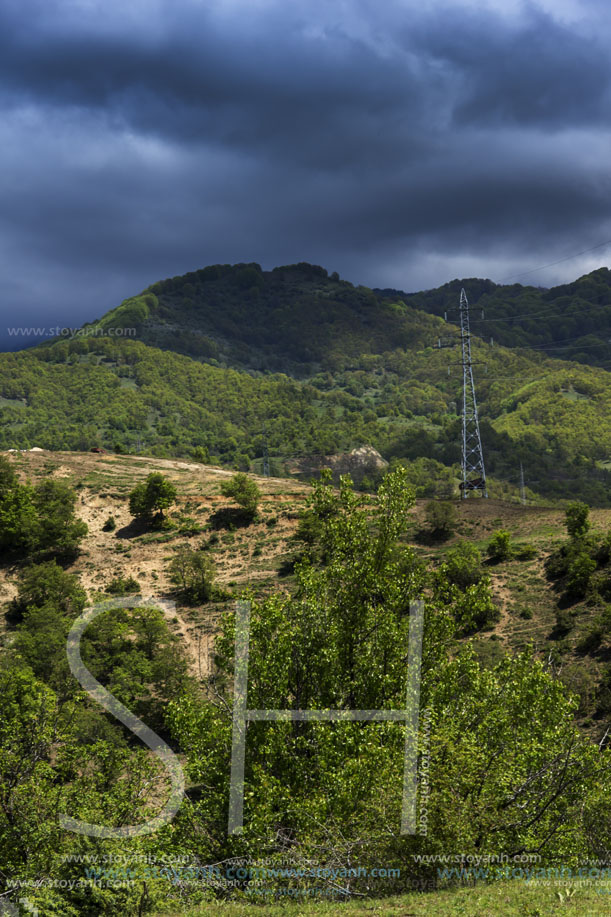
504 899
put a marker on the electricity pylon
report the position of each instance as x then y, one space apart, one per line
265 455
473 473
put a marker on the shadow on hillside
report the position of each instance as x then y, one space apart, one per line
431 538
135 528
230 517
287 567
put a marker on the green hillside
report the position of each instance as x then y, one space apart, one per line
322 367
572 321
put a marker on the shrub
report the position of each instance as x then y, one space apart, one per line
499 547
463 565
149 499
580 570
123 586
525 551
576 519
48 585
441 518
201 454
193 572
59 529
110 524
244 491
38 519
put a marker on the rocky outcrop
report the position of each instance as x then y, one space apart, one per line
362 462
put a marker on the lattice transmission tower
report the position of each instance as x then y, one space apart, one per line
473 473
265 454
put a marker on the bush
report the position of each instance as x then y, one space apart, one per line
59 530
580 570
201 454
499 547
47 584
244 491
151 498
193 572
525 551
576 519
110 524
441 518
463 565
123 586
474 608
38 519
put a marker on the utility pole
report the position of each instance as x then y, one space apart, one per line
522 488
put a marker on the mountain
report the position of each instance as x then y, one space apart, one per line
297 319
572 321
231 360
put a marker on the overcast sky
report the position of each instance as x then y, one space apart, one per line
400 143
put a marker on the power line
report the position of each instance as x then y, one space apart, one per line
559 261
551 309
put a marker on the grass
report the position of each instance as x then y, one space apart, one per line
503 899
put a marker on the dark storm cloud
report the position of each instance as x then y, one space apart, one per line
139 141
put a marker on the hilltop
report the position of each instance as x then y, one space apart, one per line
571 321
300 320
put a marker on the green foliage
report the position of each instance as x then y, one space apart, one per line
575 315
149 499
441 518
194 573
58 530
47 583
577 521
580 569
19 523
508 769
244 491
579 563
463 565
524 551
499 547
110 524
121 585
201 454
41 519
8 477
462 585
507 766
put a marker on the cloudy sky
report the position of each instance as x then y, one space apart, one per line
400 143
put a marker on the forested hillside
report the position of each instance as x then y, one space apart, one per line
307 365
571 321
298 319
